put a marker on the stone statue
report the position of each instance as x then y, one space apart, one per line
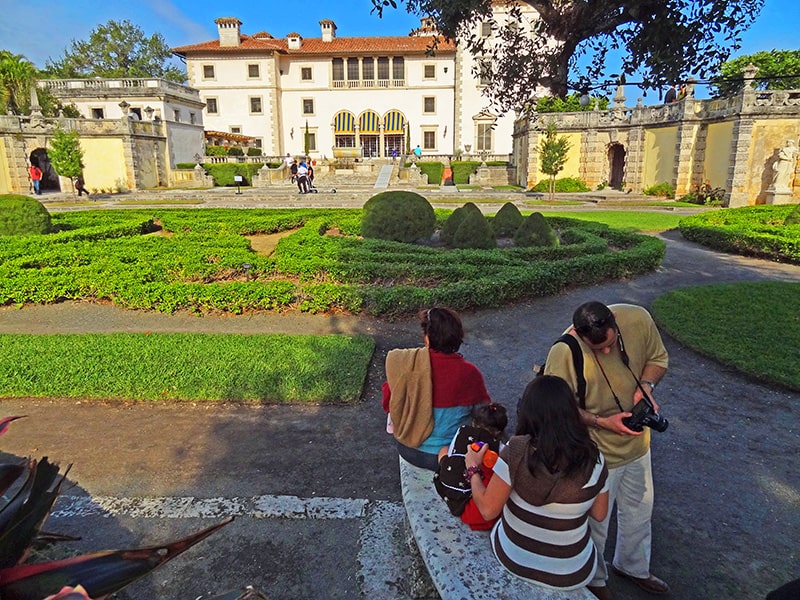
783 168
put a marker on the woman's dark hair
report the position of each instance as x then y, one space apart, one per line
592 321
549 414
492 417
443 328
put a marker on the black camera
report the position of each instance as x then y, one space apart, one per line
643 414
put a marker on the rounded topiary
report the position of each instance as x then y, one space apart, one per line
793 218
535 231
400 216
453 222
22 215
474 232
507 220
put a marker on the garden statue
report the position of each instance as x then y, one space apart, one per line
783 167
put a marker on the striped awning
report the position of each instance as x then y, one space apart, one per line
344 122
394 122
370 122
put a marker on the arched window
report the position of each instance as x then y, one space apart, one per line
394 132
369 125
344 129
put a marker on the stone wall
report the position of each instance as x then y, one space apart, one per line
730 142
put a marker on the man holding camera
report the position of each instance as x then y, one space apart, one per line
624 358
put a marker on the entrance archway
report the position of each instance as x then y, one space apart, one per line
616 163
50 181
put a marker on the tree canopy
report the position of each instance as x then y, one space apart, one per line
777 70
659 40
117 49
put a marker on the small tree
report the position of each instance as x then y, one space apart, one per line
65 153
553 155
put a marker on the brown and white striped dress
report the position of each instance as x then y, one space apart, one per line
543 533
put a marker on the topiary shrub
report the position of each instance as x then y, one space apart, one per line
535 231
794 217
235 151
453 222
22 215
474 231
400 216
507 220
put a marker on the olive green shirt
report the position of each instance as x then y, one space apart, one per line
643 346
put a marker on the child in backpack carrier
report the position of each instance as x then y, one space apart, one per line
488 423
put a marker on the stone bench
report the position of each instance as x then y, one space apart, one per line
460 561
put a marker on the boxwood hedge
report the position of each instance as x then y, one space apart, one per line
758 231
201 261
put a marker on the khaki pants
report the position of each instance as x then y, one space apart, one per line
631 487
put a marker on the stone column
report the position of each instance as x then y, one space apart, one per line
684 150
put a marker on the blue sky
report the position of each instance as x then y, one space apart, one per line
42 29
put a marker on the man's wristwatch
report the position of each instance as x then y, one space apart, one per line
650 383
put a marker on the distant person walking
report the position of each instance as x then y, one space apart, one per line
36 178
671 96
80 185
417 151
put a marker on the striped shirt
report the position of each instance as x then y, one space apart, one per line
546 542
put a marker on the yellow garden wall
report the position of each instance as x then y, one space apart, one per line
769 135
659 156
573 165
105 164
719 141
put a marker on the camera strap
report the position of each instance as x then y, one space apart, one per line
626 361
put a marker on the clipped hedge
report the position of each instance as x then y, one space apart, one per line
401 216
562 186
198 263
759 231
23 215
507 220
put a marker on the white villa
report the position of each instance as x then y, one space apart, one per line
340 96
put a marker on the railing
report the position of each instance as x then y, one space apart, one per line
368 83
62 86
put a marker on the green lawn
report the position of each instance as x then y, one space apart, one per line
274 369
754 327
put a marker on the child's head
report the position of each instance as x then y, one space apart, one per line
491 417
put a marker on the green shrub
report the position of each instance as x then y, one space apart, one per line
563 185
434 171
400 216
705 194
535 231
661 190
224 173
254 152
235 151
453 222
22 215
794 217
507 220
463 169
474 231
216 151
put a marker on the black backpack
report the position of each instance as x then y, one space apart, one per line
577 360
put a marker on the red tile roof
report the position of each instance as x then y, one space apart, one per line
315 46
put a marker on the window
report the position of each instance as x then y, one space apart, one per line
208 71
255 105
338 69
484 137
383 67
258 142
305 74
312 141
352 69
236 129
211 106
368 69
97 113
429 105
429 72
429 140
484 72
191 118
176 115
253 72
308 106
486 29
398 68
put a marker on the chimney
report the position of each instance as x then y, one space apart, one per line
328 30
228 28
295 40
